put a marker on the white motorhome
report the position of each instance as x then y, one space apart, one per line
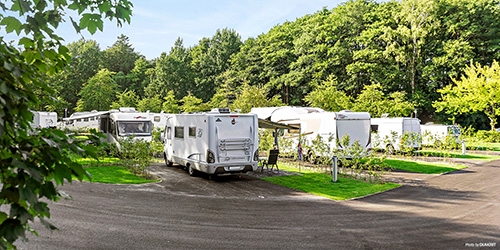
128 123
116 124
43 119
389 132
433 134
329 126
216 142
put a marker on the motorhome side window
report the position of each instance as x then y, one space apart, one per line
179 132
192 131
374 128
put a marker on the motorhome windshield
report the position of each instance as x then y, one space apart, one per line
134 127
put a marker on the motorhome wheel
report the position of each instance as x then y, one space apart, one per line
191 171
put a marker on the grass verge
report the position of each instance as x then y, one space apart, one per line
489 146
451 154
321 184
422 166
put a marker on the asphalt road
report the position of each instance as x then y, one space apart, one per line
452 211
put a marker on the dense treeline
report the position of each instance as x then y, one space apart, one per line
389 57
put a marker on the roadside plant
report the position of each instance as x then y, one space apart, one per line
135 155
408 142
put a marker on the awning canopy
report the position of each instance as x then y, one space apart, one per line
275 125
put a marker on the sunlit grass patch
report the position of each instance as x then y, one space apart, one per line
422 166
114 175
322 185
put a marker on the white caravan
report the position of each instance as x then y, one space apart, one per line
329 126
43 119
216 142
389 132
433 134
84 120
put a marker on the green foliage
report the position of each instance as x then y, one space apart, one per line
172 72
99 93
373 100
192 103
120 57
127 98
170 105
328 97
153 104
84 64
33 163
487 136
266 140
253 96
477 90
210 58
156 143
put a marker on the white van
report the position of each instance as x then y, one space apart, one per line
217 142
388 133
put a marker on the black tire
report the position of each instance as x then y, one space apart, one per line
390 149
191 171
167 162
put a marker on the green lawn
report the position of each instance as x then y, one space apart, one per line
108 170
115 175
422 166
321 184
491 146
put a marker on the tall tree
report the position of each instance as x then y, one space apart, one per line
253 96
120 57
210 58
328 97
127 98
170 104
172 72
477 90
99 93
373 100
84 64
33 164
153 104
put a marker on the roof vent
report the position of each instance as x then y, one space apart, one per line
221 110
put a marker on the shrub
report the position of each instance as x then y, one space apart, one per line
135 155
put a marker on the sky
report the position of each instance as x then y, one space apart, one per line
156 24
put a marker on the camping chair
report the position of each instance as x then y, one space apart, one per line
272 160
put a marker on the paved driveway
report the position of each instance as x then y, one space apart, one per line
452 211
